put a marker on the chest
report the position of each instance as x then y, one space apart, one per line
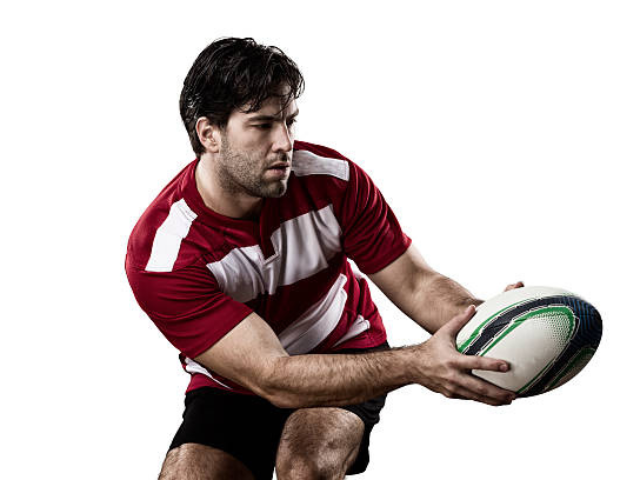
278 254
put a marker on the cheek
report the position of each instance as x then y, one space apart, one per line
243 137
255 142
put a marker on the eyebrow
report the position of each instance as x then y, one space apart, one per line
271 118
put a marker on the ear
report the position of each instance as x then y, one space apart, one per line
209 135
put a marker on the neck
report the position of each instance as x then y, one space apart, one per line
235 204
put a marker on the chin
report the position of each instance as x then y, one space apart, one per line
274 190
278 193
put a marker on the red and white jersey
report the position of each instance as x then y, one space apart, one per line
197 274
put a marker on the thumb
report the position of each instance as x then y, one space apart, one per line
453 326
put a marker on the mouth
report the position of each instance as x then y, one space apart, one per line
279 171
281 168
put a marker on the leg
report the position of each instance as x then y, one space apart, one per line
319 443
191 461
221 431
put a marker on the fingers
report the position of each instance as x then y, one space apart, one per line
513 286
469 387
462 393
465 385
453 326
449 372
486 392
473 362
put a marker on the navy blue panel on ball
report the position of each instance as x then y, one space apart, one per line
588 334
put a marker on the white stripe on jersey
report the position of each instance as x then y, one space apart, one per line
307 163
311 240
314 325
194 367
359 326
166 243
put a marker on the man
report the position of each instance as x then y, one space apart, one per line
241 262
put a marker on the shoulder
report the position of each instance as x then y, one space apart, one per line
157 240
328 168
312 159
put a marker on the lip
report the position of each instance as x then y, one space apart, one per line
281 171
280 166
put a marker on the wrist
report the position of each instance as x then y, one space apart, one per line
411 364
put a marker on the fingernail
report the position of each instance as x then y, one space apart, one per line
504 367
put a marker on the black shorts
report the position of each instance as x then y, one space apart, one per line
249 427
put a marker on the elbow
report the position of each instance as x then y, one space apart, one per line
273 386
268 383
283 400
277 396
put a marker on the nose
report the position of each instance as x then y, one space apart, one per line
283 141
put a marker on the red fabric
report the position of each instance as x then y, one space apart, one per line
188 304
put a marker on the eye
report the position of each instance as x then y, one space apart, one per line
291 121
264 126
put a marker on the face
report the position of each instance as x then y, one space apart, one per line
256 150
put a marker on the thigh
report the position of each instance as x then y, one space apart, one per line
319 443
246 428
192 461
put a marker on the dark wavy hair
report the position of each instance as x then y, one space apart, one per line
235 73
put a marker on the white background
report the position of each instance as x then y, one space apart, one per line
504 134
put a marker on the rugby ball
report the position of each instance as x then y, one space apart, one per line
547 335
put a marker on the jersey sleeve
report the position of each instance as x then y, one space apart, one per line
187 306
372 236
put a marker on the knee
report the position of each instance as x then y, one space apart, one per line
297 465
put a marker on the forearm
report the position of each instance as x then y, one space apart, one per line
436 299
429 298
334 380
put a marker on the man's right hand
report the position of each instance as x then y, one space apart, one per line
444 370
